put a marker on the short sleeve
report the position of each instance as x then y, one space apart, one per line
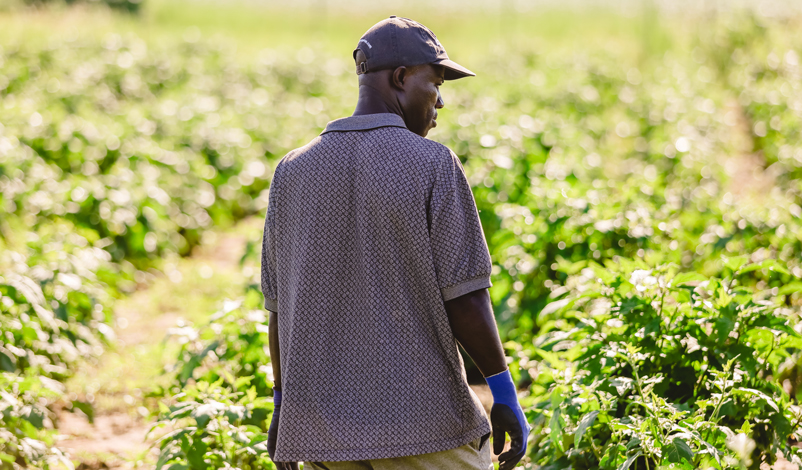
459 249
269 288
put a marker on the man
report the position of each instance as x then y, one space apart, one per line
374 265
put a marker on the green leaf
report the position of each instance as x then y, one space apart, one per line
260 447
746 428
678 451
602 273
195 361
35 416
205 412
587 421
167 456
655 432
770 264
735 263
242 381
761 396
86 408
684 278
175 435
196 454
628 462
676 466
182 410
556 427
790 288
555 306
554 360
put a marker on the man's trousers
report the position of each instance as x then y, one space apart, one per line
467 457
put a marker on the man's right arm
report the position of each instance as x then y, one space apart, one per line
474 326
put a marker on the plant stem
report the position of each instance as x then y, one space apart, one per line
643 396
595 450
660 315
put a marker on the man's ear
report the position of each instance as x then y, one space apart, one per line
399 77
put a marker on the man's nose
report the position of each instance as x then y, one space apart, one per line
440 103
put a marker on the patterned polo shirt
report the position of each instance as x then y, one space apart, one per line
369 229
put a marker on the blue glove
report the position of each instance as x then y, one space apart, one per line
272 431
507 417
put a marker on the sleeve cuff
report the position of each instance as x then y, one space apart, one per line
271 304
465 287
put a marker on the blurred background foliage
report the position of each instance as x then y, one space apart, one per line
636 165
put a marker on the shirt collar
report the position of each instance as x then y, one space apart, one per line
365 122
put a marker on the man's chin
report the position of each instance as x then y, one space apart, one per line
431 126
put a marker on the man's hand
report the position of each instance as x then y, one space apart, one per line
504 421
507 417
272 434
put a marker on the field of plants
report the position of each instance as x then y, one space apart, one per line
643 212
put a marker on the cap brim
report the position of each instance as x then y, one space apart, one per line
454 70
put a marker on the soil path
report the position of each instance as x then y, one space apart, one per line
750 181
189 290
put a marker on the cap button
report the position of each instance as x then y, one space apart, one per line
392 16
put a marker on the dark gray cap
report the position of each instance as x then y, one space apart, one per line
400 41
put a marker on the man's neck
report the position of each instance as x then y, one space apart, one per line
373 101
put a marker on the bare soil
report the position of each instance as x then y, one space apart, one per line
116 437
749 177
112 441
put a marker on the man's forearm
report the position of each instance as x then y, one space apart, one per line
275 361
474 326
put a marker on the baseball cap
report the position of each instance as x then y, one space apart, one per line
398 41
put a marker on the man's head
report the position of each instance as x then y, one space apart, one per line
403 63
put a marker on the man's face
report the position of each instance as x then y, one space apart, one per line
421 98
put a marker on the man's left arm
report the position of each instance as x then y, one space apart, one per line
275 420
270 291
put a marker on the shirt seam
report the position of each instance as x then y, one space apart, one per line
446 291
363 129
466 280
365 122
